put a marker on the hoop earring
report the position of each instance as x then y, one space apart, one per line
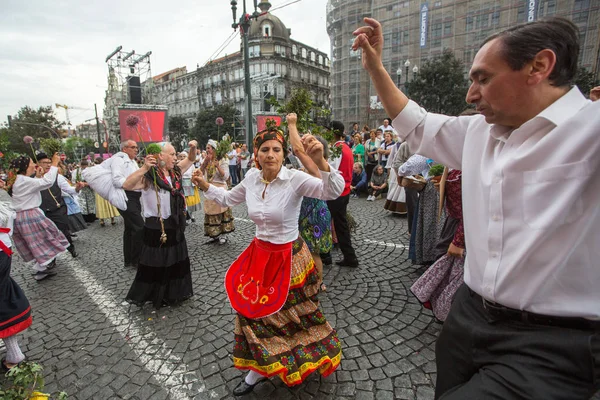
162 163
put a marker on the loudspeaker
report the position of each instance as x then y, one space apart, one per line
135 90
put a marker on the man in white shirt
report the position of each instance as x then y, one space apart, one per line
245 157
387 126
526 323
122 165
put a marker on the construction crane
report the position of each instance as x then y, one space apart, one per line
67 108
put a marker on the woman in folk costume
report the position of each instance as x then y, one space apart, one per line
218 220
273 285
396 198
87 197
35 236
192 195
15 312
163 275
438 285
76 221
104 210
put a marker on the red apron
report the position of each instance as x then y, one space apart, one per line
258 281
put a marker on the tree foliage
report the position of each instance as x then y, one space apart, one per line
44 124
179 131
440 86
585 81
206 128
77 148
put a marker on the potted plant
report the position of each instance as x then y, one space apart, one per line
436 172
27 382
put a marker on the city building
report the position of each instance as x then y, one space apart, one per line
277 65
415 31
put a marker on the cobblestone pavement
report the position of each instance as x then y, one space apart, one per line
94 345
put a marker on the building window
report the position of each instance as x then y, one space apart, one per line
303 53
267 30
295 50
254 51
447 28
312 56
320 59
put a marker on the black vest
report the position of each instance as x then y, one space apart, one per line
48 202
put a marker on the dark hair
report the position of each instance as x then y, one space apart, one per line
389 120
84 162
325 146
521 43
338 128
378 130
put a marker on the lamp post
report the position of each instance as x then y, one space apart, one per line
407 65
415 71
244 25
399 74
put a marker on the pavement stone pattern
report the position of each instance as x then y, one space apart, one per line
94 345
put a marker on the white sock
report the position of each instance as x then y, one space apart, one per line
253 377
13 351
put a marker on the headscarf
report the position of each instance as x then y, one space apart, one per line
18 166
212 143
263 136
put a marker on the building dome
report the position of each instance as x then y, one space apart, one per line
268 25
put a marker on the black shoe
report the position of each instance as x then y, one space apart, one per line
74 254
243 388
347 263
52 264
43 275
73 235
327 261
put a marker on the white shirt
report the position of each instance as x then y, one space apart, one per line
233 160
150 205
26 190
121 166
64 186
7 218
276 216
530 202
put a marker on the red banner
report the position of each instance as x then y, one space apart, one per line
261 121
150 126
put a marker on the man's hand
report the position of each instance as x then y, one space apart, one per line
55 159
198 180
291 119
369 38
595 93
149 162
455 251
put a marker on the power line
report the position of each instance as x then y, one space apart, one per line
284 5
222 47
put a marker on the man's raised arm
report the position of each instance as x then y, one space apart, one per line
369 38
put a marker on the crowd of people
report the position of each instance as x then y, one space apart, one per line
508 269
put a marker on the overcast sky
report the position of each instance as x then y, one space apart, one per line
54 51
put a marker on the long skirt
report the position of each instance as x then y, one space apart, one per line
193 200
37 238
295 341
396 198
87 202
218 224
104 209
315 225
428 226
163 276
15 312
76 221
438 285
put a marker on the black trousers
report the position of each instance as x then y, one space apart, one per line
482 357
412 198
61 220
338 209
133 234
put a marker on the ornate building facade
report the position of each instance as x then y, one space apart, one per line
277 65
415 31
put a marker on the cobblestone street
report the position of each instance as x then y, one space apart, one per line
93 345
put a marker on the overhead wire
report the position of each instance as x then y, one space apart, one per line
222 47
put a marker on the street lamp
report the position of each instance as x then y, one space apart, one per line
399 74
407 65
244 25
415 71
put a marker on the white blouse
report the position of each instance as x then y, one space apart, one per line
26 190
149 202
276 216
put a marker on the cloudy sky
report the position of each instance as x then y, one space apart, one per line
54 51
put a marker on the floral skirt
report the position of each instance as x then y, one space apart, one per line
295 341
219 224
315 225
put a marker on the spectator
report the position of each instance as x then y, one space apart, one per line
372 157
359 180
378 183
359 149
385 148
233 156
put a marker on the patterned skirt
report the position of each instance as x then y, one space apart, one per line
193 200
163 276
427 228
295 341
396 197
315 225
37 238
87 201
218 224
15 312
